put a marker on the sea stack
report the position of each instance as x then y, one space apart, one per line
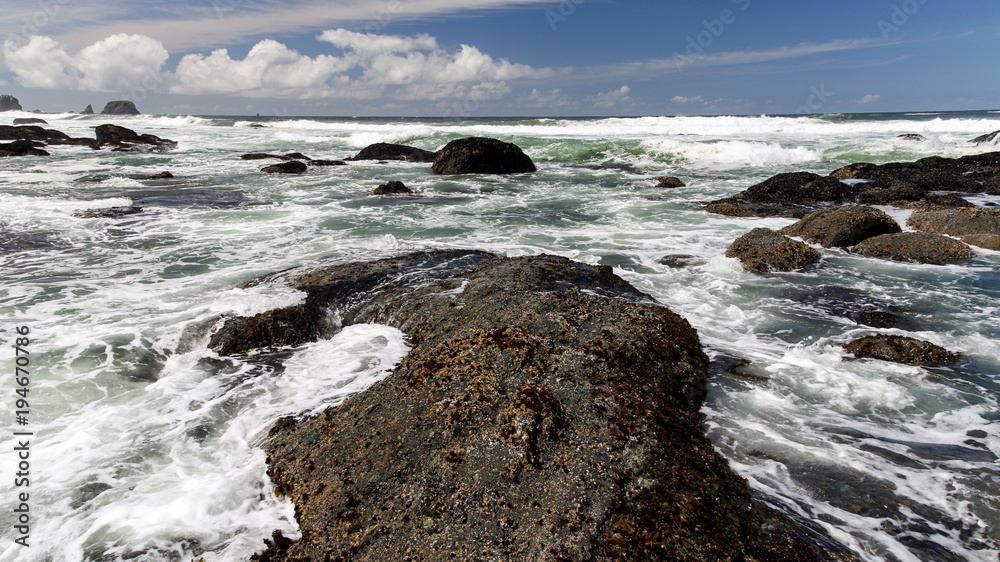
121 107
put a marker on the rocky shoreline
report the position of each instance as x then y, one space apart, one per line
547 411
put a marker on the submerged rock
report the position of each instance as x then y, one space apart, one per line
387 151
678 261
668 181
899 349
290 167
327 163
763 250
979 227
919 247
110 213
120 107
477 155
392 188
547 410
912 137
841 227
853 304
160 176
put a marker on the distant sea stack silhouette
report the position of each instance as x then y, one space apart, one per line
9 103
88 111
122 107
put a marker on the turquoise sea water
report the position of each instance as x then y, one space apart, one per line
144 442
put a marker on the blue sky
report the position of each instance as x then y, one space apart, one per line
494 57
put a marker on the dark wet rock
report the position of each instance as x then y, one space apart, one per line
792 194
547 410
975 226
89 110
668 181
392 188
21 148
477 155
912 137
88 492
327 163
900 349
853 304
160 176
968 174
128 140
295 156
261 156
9 103
678 261
942 201
733 207
30 121
111 213
897 196
987 138
919 247
386 151
762 250
120 107
841 227
289 167
256 126
38 134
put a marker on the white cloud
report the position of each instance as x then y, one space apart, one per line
613 98
869 99
538 98
117 63
367 66
682 99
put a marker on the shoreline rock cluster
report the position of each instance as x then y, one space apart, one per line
547 411
29 140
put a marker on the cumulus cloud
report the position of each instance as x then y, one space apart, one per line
119 62
611 99
682 99
869 99
539 98
362 66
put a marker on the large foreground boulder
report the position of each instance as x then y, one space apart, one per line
477 155
547 411
762 250
900 349
975 226
120 107
841 227
387 151
918 247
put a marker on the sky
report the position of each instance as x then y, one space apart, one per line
446 58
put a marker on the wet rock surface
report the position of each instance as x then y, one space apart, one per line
392 188
900 349
289 167
387 151
853 304
841 227
919 247
901 184
477 155
763 250
125 138
975 226
547 411
668 182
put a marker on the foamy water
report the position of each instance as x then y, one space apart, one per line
145 442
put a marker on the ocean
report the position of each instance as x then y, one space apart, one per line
142 444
